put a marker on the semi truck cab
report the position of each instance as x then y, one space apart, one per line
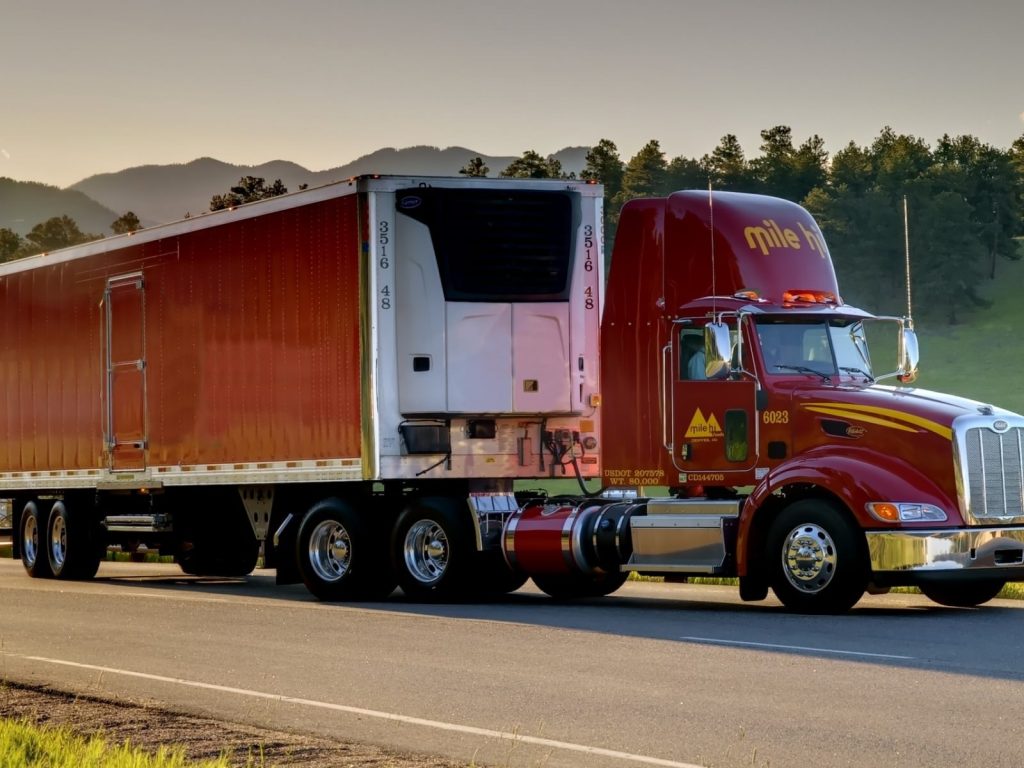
735 375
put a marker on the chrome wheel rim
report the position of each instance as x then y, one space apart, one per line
58 541
330 550
426 551
809 558
30 539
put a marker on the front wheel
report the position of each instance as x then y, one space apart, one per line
966 595
816 558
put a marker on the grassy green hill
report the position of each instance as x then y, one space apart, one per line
983 356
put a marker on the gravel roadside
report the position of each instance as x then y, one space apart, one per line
149 726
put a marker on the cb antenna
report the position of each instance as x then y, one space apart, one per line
711 214
906 259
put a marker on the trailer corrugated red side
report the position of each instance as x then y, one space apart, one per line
249 348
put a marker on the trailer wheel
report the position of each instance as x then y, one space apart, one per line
338 558
963 595
431 551
33 542
816 558
576 586
72 550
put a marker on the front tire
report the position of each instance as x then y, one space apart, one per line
816 558
33 542
966 595
338 557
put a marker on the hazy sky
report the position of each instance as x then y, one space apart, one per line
88 86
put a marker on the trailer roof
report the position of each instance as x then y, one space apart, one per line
209 219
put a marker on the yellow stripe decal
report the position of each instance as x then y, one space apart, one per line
862 417
862 411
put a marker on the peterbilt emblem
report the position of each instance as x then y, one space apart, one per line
1000 426
409 202
855 431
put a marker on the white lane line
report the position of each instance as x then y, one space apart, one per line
773 646
467 729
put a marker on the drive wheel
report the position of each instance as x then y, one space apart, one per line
495 577
577 585
338 557
816 558
33 543
431 551
73 552
963 595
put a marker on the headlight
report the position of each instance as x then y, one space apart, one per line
905 512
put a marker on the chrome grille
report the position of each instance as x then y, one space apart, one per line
995 472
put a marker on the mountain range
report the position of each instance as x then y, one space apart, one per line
161 193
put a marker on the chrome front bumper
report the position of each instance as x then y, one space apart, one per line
968 549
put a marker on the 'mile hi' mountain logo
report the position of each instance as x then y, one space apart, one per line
700 427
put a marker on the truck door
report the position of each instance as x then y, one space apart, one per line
124 320
713 422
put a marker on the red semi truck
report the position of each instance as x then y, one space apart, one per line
353 377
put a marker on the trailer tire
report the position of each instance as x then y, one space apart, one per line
432 551
70 544
963 595
816 558
338 557
32 531
577 586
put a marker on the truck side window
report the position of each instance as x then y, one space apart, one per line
691 355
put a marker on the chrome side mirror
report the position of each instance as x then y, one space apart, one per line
717 350
910 355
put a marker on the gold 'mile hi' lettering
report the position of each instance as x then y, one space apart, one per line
813 238
770 235
701 427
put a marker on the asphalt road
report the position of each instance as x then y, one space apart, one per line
668 675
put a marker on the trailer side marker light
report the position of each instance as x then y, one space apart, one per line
595 400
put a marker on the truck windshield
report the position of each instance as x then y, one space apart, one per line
827 348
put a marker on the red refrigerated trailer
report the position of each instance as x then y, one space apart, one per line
351 376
